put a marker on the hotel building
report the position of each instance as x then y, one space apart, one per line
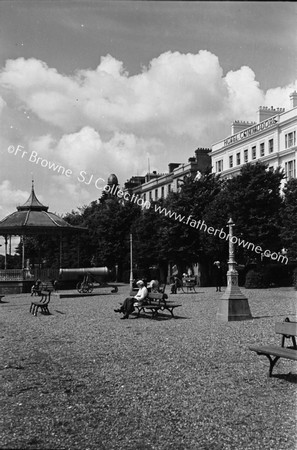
271 140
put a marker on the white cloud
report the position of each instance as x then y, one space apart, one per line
2 104
10 198
177 94
86 152
280 97
171 96
80 150
244 93
105 121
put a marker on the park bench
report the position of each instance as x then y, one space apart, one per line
46 288
154 302
288 330
36 289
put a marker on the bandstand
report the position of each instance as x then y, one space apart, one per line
31 219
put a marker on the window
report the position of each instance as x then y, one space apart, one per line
144 197
254 152
162 191
290 139
238 159
270 145
169 188
290 169
262 149
151 195
156 194
231 161
219 165
246 155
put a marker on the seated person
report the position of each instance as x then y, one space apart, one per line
184 279
153 286
36 287
128 306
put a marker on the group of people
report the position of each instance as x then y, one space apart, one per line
127 307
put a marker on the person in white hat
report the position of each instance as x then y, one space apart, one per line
217 275
128 306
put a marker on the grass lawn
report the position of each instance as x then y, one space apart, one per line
82 378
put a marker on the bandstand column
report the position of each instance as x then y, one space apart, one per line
233 305
61 252
131 262
23 252
5 254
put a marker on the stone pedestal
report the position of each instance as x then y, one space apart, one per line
233 305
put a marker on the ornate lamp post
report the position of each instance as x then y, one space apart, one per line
131 263
233 305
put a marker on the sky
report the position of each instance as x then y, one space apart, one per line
90 88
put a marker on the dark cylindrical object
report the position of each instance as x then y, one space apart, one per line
72 274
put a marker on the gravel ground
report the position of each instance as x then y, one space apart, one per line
82 378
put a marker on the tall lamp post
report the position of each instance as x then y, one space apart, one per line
131 263
233 305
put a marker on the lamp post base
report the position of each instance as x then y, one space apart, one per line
233 305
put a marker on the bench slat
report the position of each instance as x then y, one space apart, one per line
287 328
282 352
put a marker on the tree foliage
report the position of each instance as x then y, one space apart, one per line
177 233
289 218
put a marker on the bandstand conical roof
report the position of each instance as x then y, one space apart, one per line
33 218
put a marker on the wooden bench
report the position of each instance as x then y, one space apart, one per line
36 289
46 288
288 330
154 302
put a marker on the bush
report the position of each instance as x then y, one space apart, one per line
278 274
256 279
271 275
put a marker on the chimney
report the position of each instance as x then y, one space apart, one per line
265 112
240 125
203 159
172 166
293 99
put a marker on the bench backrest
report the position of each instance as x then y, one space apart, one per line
155 296
286 328
46 286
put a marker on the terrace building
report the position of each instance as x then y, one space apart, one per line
154 186
271 140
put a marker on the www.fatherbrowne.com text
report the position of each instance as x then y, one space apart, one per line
197 224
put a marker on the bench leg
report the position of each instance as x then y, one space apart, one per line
139 309
45 310
272 362
154 313
171 311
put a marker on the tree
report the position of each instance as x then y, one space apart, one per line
109 223
253 201
289 218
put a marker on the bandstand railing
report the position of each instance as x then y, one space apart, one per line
25 274
12 275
